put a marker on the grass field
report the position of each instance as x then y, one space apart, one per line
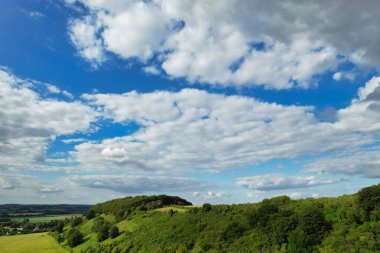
30 243
46 218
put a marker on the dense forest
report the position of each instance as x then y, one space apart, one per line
348 223
19 210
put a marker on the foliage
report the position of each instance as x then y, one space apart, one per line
127 205
90 214
76 221
369 200
206 207
274 225
113 232
59 227
101 227
74 237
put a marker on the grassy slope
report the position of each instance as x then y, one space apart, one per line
158 231
90 239
36 243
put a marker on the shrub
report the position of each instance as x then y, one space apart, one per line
90 214
76 221
206 207
74 237
114 232
59 227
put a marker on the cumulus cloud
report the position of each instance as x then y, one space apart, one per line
29 122
151 70
194 129
278 45
141 184
364 112
83 35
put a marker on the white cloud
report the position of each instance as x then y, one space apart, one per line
348 75
53 89
67 94
227 42
337 76
364 112
83 35
8 182
371 87
50 189
29 122
193 129
271 182
74 140
141 184
36 14
151 70
364 162
143 27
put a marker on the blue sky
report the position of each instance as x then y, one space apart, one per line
212 101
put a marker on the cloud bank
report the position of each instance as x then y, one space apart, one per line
231 43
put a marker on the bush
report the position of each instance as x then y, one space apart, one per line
206 207
90 214
59 227
74 237
114 232
76 221
233 231
101 227
103 233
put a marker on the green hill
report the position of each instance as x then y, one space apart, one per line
349 223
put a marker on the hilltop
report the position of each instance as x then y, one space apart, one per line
349 223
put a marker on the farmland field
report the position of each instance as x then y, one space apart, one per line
47 218
38 243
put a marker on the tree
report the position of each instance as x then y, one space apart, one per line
76 221
298 242
206 207
369 199
103 232
114 232
90 214
233 231
74 237
101 226
312 222
59 227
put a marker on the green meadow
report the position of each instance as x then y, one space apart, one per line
30 243
36 219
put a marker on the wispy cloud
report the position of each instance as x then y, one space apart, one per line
272 182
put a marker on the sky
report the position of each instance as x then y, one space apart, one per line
214 101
